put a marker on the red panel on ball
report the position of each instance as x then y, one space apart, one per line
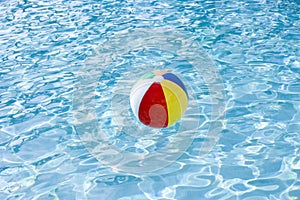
153 108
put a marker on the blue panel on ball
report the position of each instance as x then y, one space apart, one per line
175 79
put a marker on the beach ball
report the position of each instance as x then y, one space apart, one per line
158 99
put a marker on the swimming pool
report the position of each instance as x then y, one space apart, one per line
252 45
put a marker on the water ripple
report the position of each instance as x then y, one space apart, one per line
255 44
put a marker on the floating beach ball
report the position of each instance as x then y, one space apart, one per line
159 99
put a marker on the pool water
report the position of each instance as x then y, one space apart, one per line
253 46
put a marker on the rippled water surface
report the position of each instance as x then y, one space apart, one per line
254 45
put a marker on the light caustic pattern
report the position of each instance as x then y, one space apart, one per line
255 45
96 137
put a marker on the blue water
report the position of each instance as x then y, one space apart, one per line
255 47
